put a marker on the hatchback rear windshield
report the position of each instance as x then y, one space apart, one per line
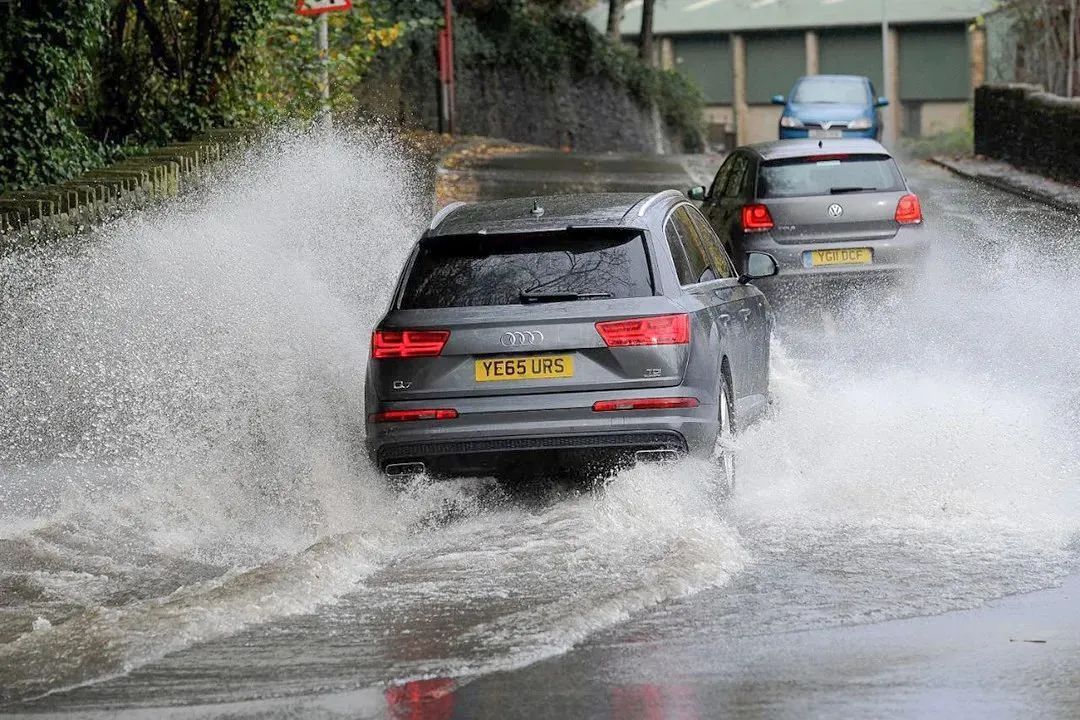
828 175
841 91
473 270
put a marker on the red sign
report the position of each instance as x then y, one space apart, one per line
318 7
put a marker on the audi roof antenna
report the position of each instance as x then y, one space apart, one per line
820 144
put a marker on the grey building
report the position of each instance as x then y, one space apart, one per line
742 52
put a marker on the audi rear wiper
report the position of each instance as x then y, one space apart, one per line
530 297
842 190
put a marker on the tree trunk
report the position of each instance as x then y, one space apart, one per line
614 20
646 48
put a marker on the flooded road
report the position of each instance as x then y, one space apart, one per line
188 531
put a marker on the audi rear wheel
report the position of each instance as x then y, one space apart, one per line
724 453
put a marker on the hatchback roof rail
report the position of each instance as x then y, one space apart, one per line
443 214
644 206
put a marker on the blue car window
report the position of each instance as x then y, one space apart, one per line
841 91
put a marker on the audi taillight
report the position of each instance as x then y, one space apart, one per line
414 415
407 343
655 330
756 218
667 403
908 210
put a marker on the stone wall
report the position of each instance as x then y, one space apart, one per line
58 210
1029 128
560 107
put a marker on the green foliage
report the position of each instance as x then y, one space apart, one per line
83 81
172 67
283 81
45 77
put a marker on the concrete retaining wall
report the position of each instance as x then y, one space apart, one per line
1029 128
95 196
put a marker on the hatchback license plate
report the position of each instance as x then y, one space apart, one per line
827 134
531 367
841 256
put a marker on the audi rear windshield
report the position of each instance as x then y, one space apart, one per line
523 268
828 175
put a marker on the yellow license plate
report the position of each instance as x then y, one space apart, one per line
842 256
530 367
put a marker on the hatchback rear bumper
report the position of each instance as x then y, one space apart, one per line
905 251
486 438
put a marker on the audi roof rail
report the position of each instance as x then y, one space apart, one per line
643 206
444 213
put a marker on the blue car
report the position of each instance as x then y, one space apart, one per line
830 106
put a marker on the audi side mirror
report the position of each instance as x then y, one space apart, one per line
779 100
759 265
696 193
882 101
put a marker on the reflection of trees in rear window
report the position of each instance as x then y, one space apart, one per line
495 270
832 90
805 176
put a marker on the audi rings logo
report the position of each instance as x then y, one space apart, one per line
521 338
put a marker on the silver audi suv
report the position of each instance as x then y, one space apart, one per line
566 334
826 210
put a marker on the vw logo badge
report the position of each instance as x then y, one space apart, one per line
520 338
835 210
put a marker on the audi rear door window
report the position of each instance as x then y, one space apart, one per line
511 269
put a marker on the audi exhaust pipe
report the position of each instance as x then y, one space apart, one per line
405 469
656 456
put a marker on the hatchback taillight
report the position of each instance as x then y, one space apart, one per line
414 415
908 210
656 330
756 218
668 403
407 343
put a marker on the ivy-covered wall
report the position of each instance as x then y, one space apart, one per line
46 50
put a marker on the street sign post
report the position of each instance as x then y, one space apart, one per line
319 9
312 8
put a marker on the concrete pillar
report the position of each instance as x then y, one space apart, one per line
977 52
812 55
738 71
894 112
667 53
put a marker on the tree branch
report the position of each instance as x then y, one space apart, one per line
160 51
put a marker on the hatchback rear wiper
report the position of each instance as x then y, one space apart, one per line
530 297
842 190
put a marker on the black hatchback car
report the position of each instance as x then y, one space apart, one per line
564 333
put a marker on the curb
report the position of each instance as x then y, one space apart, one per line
49 212
1007 186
